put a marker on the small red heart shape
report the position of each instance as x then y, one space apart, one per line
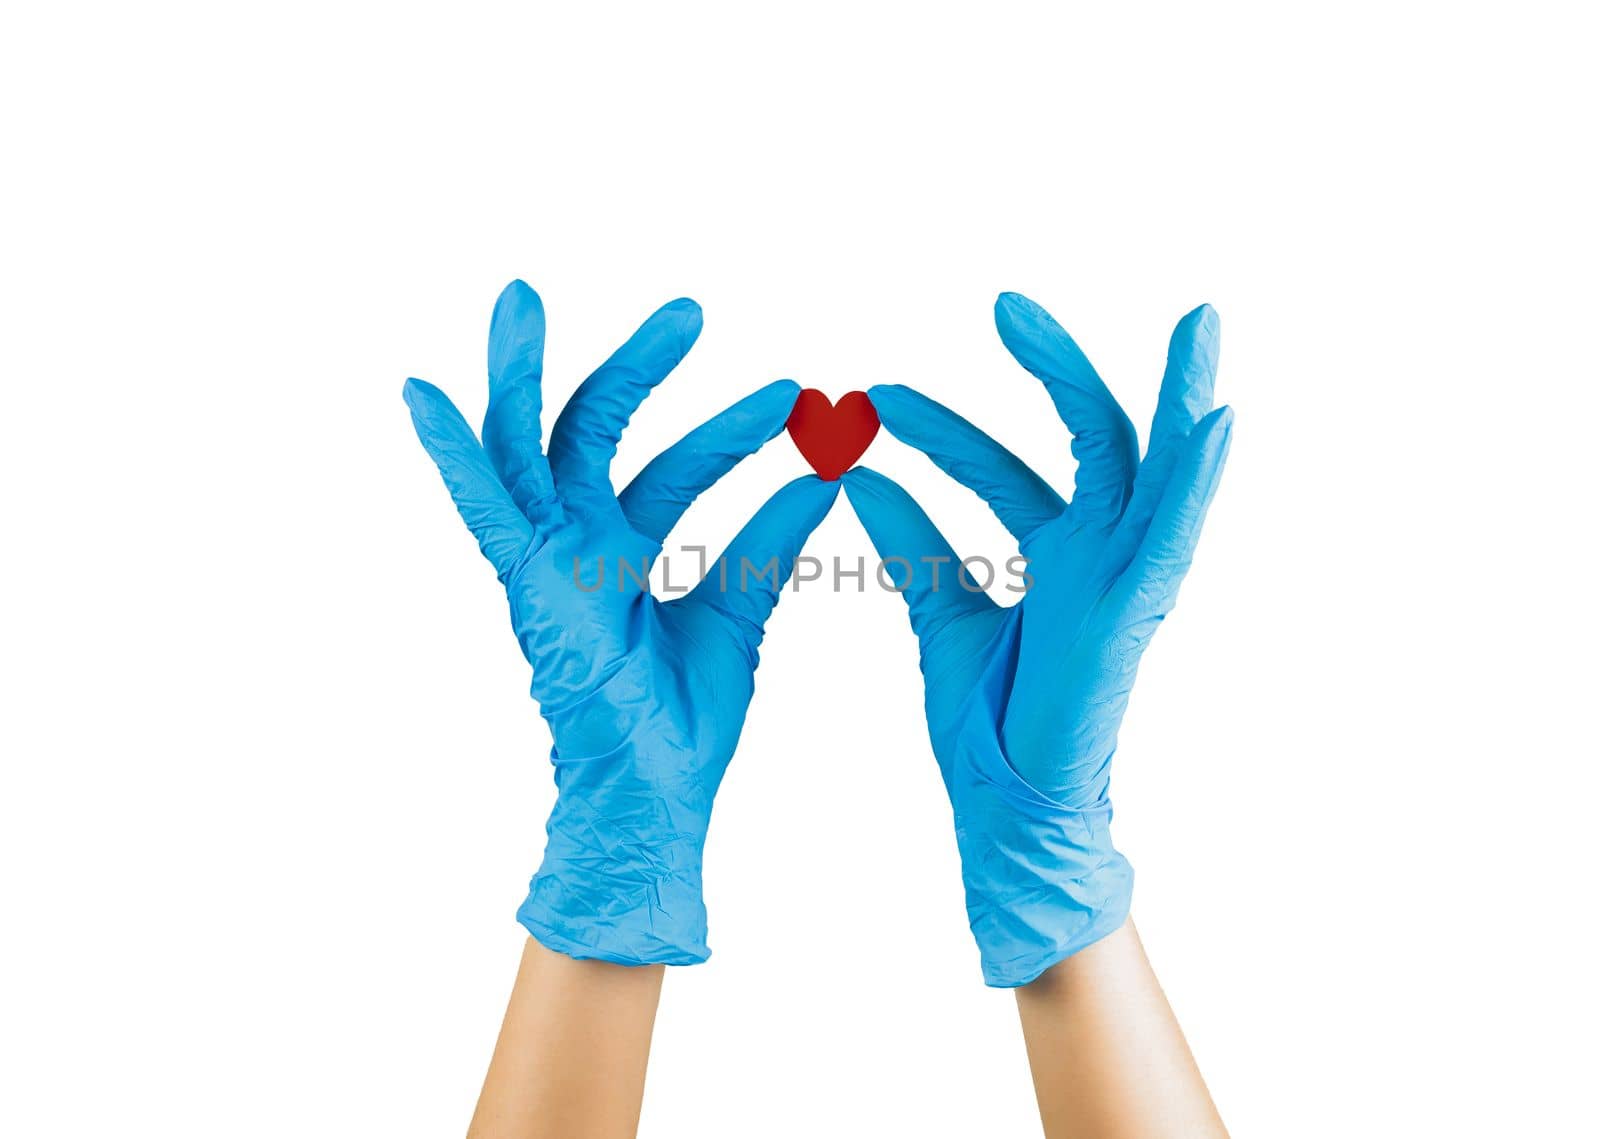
832 436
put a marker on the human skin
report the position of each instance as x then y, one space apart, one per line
570 1061
1108 1058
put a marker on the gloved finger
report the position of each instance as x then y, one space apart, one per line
912 552
1187 391
502 531
1187 387
1019 498
1103 439
1150 585
511 425
657 497
584 439
746 581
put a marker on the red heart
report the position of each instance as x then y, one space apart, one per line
832 436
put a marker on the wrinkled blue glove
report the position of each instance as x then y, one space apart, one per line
645 699
1024 702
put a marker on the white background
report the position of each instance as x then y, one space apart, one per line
272 782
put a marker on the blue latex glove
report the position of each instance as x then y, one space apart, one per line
645 699
1024 702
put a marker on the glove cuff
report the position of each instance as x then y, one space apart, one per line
1042 878
620 880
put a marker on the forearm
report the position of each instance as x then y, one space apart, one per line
1108 1057
570 1061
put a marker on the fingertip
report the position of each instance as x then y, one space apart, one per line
1029 332
516 335
909 415
1227 425
432 413
685 307
661 342
798 484
687 318
806 499
768 409
888 401
1199 325
418 392
866 482
881 394
518 299
1005 311
815 485
1213 436
782 392
1014 308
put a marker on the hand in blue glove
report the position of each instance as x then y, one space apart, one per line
645 699
1024 702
